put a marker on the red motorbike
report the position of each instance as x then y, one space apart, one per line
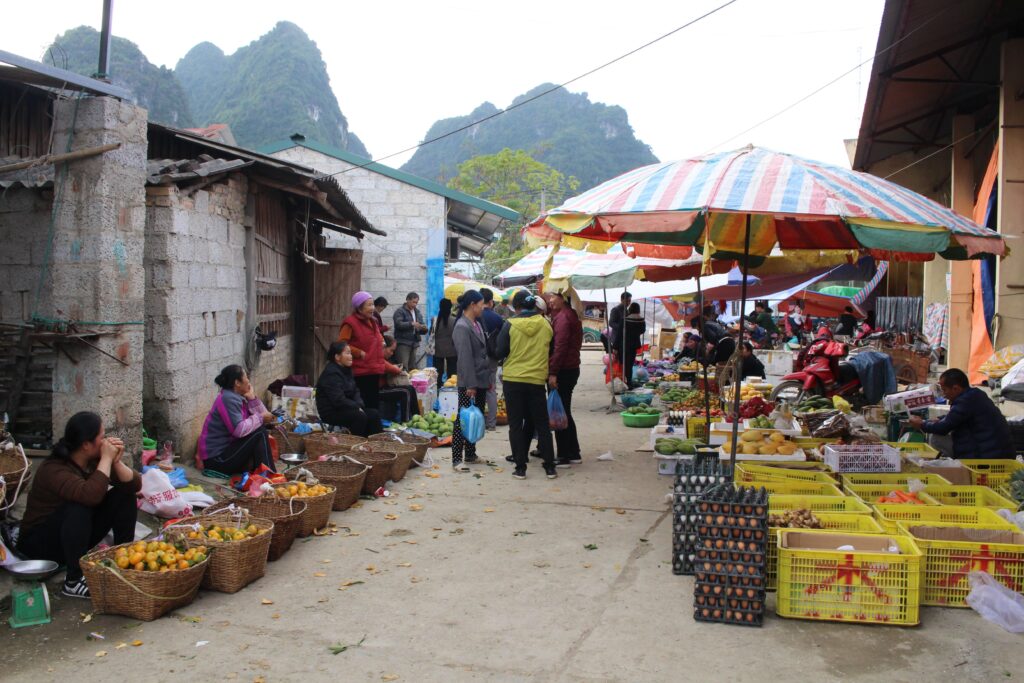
821 373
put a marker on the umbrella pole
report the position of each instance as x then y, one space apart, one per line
737 375
611 361
700 348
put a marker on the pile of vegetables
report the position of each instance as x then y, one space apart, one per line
795 519
755 406
900 498
672 446
642 409
1016 486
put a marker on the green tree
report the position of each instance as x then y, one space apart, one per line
514 179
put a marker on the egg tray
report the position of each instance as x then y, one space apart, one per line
728 592
731 558
736 580
735 617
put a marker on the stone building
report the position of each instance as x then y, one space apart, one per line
428 224
136 269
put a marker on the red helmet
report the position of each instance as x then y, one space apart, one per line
824 333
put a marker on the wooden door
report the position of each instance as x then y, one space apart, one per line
333 287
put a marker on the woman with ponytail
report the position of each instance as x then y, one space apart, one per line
79 494
234 436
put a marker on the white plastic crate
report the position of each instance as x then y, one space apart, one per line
862 458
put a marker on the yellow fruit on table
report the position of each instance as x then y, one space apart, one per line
777 437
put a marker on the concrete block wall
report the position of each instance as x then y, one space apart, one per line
24 230
195 303
397 264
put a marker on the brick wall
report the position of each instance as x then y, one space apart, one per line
24 227
195 303
396 264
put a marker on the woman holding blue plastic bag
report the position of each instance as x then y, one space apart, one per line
473 370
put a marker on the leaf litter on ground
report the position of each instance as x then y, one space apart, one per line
338 649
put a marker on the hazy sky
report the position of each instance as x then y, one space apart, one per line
398 66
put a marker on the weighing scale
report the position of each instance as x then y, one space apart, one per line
30 602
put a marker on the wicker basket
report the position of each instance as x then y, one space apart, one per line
421 443
380 464
285 514
346 476
14 470
326 444
233 564
293 442
404 454
318 510
139 595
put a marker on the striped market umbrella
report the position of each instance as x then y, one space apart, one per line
791 202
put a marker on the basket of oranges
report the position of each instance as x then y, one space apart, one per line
144 580
318 499
345 475
238 545
285 514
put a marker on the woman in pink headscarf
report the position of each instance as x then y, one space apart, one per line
361 331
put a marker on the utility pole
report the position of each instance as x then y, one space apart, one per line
543 200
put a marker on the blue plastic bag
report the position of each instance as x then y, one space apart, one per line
557 418
471 420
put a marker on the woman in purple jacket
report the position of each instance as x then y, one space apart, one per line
234 437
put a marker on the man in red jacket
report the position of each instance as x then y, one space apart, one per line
564 372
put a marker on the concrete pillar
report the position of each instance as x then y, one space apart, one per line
1010 272
96 264
961 290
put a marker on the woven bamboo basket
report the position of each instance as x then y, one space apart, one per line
346 476
404 454
380 464
233 564
14 470
421 443
141 595
292 442
318 509
327 444
285 514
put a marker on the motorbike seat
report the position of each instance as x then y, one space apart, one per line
847 373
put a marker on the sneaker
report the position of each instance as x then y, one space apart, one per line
562 464
472 461
76 589
574 461
552 474
509 458
519 474
461 467
492 428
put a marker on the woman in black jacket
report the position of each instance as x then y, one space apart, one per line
337 396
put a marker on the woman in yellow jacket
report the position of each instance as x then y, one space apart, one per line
524 343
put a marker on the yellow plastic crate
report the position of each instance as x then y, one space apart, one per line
970 496
834 521
947 562
891 479
991 472
755 472
846 504
697 427
890 515
921 450
869 587
872 492
795 488
809 442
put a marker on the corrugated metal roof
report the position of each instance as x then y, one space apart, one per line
23 70
32 177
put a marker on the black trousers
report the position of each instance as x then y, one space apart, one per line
567 439
360 422
629 363
527 408
443 363
369 389
243 455
459 442
69 533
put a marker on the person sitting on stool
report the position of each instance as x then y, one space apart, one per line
79 493
979 430
337 397
234 437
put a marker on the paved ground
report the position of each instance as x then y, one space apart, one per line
491 581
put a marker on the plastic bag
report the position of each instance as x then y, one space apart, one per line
557 418
160 498
471 420
995 602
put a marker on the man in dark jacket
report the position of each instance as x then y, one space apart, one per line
979 430
564 372
492 323
409 327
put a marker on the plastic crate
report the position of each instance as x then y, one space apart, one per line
901 479
809 442
696 427
833 521
890 515
861 458
915 448
795 488
750 472
846 504
998 551
872 492
991 472
870 587
970 496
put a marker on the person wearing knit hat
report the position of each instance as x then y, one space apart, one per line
361 331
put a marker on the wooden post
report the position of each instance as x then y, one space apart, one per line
1009 306
737 376
961 288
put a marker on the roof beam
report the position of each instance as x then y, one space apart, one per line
944 81
940 52
85 83
942 106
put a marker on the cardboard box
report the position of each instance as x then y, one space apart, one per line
959 474
863 543
965 534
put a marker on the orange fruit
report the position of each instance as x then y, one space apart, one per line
136 558
122 562
139 566
183 564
